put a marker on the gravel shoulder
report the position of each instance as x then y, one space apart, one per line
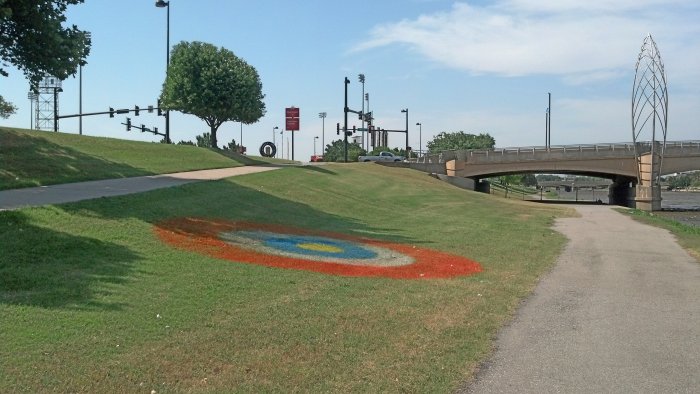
619 312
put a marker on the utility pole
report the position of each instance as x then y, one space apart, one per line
406 111
345 124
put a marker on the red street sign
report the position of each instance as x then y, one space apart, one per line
292 124
291 112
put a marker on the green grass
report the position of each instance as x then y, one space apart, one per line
688 236
35 158
81 286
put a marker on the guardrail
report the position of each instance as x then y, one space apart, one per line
558 152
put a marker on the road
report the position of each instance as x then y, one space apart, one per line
69 192
619 313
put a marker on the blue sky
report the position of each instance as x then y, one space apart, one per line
476 66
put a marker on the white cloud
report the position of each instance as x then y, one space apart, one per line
583 41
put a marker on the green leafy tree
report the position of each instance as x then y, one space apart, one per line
528 180
335 151
204 140
212 84
508 180
33 39
184 143
232 146
6 108
460 140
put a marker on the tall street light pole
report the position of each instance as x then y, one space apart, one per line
56 91
240 142
273 136
281 144
31 96
549 120
323 115
166 4
406 111
420 137
361 78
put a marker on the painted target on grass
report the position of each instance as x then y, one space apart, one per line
268 149
301 249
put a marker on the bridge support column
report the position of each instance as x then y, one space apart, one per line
648 191
482 186
455 167
621 192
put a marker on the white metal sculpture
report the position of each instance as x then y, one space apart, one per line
649 111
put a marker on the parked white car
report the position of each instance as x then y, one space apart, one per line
383 156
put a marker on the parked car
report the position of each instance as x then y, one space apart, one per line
383 156
316 158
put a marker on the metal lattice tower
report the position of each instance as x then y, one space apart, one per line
649 113
47 102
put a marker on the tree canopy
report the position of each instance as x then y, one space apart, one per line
33 39
212 84
335 151
6 109
460 140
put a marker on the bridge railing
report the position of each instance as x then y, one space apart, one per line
540 153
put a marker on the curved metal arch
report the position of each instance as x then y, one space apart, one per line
650 103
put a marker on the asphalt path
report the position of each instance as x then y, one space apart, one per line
619 313
69 192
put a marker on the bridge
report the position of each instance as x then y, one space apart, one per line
632 178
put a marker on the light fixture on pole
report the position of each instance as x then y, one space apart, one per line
31 96
166 4
281 144
273 135
323 115
315 138
406 111
56 91
420 138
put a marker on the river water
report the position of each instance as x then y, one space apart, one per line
681 206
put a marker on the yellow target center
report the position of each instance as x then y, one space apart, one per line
320 247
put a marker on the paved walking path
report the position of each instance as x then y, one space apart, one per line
68 192
620 312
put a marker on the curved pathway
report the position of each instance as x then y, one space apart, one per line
620 312
69 192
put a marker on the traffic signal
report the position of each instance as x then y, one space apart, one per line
136 110
128 124
111 112
160 111
150 109
337 127
143 128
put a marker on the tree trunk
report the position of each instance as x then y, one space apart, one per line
213 129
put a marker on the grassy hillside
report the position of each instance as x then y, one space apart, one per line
92 300
35 158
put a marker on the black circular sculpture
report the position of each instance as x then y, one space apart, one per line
268 149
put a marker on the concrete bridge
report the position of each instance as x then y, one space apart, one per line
616 162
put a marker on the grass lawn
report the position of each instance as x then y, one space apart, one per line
688 236
35 158
91 300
